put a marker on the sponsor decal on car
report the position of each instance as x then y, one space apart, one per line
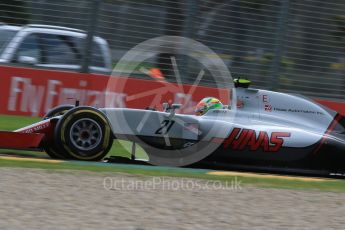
290 110
241 139
240 103
268 108
35 128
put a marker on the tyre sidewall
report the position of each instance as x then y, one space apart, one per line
63 138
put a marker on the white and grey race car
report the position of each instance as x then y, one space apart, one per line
266 128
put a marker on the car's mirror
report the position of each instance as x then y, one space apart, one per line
27 60
171 108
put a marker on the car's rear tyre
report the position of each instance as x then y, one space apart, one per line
83 133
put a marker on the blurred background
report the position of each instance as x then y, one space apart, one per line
287 45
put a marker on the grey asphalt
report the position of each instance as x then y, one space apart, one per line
46 199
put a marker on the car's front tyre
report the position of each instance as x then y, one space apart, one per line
83 133
57 111
50 147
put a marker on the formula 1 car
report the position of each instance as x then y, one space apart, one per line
268 129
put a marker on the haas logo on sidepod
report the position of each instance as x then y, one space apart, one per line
239 139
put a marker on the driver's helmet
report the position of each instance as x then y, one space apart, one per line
206 104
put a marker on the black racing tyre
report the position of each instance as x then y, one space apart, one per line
58 110
50 148
53 151
83 133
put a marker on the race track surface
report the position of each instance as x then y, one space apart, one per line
47 199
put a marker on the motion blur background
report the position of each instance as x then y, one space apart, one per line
288 45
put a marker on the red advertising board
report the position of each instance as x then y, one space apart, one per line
26 91
32 92
334 105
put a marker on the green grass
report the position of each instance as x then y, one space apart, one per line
15 122
246 181
121 149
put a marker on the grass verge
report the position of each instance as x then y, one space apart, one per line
245 181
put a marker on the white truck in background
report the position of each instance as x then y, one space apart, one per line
53 47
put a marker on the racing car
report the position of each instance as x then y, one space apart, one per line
268 129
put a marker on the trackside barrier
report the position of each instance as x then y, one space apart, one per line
335 105
32 92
